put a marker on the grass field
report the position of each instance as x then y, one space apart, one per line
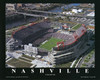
76 26
65 65
29 57
89 55
24 59
18 63
52 42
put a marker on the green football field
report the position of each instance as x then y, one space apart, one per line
52 42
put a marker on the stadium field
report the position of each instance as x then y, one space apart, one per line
52 42
76 26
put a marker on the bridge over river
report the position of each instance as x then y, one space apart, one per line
49 14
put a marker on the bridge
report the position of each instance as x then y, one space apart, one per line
27 14
59 13
53 13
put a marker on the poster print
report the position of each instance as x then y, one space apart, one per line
50 40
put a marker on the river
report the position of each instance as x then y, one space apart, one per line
59 9
21 22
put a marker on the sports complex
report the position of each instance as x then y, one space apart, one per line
61 45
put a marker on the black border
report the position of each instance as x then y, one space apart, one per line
6 72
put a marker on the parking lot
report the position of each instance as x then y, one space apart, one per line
82 20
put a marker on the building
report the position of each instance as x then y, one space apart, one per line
10 7
77 10
91 14
30 48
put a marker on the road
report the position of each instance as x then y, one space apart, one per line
10 41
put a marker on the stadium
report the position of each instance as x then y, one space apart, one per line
60 45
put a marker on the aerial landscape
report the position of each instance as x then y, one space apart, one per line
50 35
